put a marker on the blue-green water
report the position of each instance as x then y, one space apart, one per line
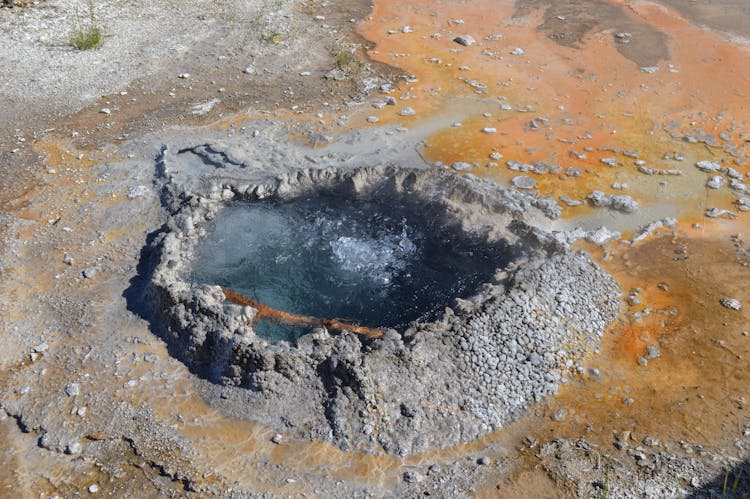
375 263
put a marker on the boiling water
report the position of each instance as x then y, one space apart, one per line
369 262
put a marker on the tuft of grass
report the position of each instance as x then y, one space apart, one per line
87 39
273 36
347 58
90 36
15 3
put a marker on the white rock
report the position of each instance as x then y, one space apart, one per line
73 448
708 166
72 389
524 182
731 303
184 76
465 40
489 129
460 166
137 191
249 70
715 182
407 112
714 212
518 51
105 110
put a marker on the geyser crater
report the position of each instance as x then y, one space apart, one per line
537 309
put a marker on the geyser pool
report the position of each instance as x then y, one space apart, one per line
375 262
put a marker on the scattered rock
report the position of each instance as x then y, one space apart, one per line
184 76
460 166
602 236
72 389
484 460
465 40
489 129
559 415
93 488
652 352
650 69
708 166
715 182
407 112
609 161
277 438
89 272
137 191
413 477
518 51
714 212
622 203
731 303
249 70
73 448
105 110
523 182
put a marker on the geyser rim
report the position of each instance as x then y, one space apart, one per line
458 197
252 379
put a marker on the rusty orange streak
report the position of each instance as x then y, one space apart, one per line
281 317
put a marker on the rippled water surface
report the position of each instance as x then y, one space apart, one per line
373 263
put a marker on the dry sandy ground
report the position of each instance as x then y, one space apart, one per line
92 401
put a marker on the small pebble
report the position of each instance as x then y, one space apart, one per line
277 438
559 415
731 303
93 488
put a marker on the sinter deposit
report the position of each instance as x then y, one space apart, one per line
426 385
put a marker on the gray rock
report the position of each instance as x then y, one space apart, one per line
731 303
407 112
89 272
72 389
413 477
559 415
465 40
708 166
715 182
523 182
714 212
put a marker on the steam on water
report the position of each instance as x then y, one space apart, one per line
331 257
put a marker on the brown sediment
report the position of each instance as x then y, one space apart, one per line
290 319
592 96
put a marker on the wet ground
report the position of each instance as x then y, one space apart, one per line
618 91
